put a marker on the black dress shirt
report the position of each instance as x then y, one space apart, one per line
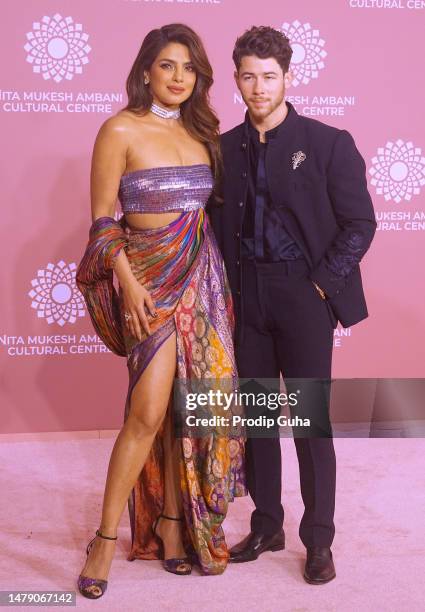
264 237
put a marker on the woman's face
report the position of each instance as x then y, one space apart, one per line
172 76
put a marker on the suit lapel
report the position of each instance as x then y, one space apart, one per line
281 175
279 154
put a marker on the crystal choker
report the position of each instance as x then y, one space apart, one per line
165 114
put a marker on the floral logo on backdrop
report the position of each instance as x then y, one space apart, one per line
57 48
308 52
398 171
55 295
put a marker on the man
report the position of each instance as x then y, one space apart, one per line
296 221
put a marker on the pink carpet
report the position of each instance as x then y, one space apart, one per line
51 500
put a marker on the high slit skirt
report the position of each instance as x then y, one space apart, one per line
180 265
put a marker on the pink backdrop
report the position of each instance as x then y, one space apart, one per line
357 65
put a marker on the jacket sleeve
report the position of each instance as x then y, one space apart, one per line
353 209
214 212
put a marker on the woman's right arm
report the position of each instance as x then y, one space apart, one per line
108 165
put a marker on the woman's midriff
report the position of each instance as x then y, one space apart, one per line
142 221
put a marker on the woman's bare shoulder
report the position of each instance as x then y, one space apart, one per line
123 125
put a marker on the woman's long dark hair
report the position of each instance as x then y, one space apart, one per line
198 117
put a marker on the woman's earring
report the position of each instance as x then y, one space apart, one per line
146 80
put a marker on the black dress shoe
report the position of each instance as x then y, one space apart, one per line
254 544
319 567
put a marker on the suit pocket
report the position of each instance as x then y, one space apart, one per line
323 303
349 306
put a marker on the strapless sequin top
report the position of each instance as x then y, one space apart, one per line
166 189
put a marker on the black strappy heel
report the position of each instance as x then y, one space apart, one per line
181 567
84 582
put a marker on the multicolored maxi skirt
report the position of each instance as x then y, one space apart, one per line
180 265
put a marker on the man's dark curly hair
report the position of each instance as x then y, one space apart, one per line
263 42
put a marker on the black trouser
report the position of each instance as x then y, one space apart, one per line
287 329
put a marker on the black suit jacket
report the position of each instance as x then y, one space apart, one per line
324 205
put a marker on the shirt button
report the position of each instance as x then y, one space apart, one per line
244 174
240 204
238 263
238 292
244 145
237 234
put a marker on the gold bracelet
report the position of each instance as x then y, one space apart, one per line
321 292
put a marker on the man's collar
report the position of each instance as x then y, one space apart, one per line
281 128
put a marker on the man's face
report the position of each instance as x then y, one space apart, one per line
262 84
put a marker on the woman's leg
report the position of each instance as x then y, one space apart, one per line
171 531
148 408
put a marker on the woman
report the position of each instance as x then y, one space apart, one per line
173 316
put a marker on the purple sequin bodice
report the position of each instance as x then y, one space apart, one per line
166 189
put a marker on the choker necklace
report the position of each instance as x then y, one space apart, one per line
161 112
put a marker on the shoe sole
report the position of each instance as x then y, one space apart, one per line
274 548
318 581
